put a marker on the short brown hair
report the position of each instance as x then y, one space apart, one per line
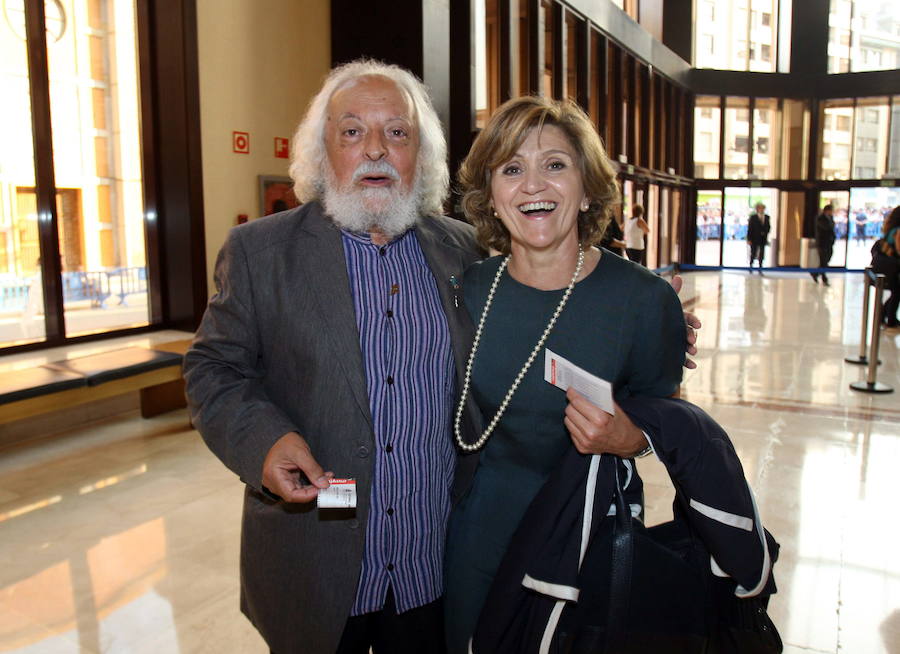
498 143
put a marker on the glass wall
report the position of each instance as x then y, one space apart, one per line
21 281
869 208
709 228
840 201
835 139
737 137
766 139
96 158
707 119
737 35
96 145
863 35
740 203
870 137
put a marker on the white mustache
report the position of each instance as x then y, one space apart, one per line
383 168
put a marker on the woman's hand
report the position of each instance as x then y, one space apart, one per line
692 324
594 431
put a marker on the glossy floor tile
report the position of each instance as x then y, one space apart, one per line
123 536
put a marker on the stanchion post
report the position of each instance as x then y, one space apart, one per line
871 385
864 332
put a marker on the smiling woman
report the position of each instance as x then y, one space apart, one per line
539 187
570 132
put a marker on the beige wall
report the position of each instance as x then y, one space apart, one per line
260 63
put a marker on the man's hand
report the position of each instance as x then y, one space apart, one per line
594 431
692 323
288 457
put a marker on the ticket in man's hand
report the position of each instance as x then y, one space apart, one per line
340 494
564 374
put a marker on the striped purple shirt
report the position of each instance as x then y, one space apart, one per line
410 375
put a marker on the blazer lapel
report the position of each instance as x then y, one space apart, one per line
327 280
447 263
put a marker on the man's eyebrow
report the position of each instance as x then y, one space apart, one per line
391 119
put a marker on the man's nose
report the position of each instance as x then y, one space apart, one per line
375 147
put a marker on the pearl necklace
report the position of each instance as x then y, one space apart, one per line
477 445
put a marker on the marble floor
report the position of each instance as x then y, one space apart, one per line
122 536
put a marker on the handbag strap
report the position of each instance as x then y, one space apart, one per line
620 575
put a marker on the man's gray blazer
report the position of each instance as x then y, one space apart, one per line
278 351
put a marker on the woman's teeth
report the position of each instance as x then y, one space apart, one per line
532 207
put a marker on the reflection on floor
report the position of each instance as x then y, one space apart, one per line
123 537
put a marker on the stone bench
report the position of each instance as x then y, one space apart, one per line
156 373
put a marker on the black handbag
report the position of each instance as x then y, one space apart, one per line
662 597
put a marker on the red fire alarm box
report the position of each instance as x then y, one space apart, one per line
240 142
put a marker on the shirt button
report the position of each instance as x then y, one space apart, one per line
390 567
353 524
363 452
390 511
390 380
382 250
390 314
388 448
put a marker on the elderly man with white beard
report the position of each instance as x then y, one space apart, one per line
330 359
335 338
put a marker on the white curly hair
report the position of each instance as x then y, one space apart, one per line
308 156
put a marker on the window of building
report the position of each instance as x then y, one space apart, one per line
98 256
737 114
748 39
866 36
766 136
706 136
871 141
835 139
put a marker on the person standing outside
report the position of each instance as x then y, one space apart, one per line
758 235
861 220
824 240
635 229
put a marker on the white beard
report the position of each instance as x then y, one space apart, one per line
387 210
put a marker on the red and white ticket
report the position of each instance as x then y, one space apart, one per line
340 494
565 374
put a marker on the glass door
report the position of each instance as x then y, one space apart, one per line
740 204
709 228
869 208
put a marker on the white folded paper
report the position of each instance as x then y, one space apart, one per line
565 374
340 494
